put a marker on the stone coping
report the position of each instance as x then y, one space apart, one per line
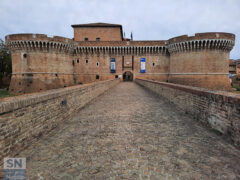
223 95
12 103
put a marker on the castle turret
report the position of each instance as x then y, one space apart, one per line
201 60
39 62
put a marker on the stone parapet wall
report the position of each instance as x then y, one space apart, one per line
23 119
217 109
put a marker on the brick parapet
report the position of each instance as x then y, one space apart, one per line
122 50
217 40
122 47
40 37
39 42
23 119
218 109
16 102
122 43
202 36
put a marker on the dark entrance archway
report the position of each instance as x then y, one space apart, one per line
127 76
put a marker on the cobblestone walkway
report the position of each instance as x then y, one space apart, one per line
130 133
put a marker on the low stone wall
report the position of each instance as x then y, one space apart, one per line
23 119
218 109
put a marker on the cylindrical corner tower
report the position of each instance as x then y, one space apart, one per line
201 60
39 62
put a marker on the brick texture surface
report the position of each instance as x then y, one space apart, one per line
217 109
104 33
23 119
131 133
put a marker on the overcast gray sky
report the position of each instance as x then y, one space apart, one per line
147 19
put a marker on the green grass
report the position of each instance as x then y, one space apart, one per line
4 93
236 89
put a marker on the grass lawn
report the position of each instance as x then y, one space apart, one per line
4 93
235 91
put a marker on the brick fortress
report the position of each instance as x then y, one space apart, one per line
99 52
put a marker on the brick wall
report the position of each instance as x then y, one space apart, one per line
104 33
217 109
23 119
205 68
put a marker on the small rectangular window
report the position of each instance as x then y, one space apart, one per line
97 76
113 65
98 39
85 39
86 61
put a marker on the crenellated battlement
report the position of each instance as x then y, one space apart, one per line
39 37
202 36
39 42
221 41
122 49
43 42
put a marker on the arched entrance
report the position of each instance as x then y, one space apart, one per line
127 76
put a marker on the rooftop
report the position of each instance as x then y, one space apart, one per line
99 24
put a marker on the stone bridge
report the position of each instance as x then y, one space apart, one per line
128 132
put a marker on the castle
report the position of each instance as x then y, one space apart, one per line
98 52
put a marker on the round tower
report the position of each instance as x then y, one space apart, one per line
201 60
39 62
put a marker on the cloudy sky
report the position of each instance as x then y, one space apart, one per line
147 19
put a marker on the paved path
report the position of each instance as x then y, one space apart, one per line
130 133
